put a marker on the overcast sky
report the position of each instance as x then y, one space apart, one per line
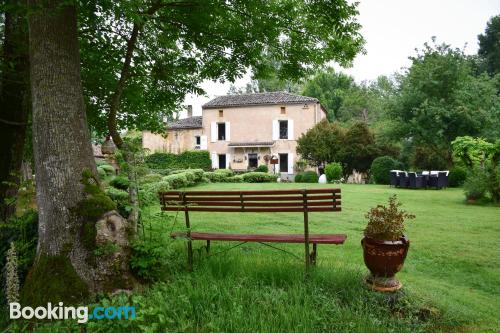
392 30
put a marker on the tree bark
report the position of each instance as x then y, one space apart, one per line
14 102
63 153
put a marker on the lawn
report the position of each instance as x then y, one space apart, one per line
451 276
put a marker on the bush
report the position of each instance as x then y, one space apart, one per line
150 178
258 177
149 260
333 171
235 179
381 167
197 159
476 184
177 180
109 169
307 177
102 174
149 192
225 172
262 168
457 176
215 177
121 198
120 182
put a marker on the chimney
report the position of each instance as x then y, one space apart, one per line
190 111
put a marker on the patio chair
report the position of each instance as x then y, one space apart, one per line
415 181
394 178
442 180
403 179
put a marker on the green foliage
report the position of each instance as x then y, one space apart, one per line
120 182
258 177
440 98
225 172
109 169
177 180
23 231
321 144
381 167
234 179
97 202
359 148
121 198
196 159
149 259
489 45
150 178
476 184
333 171
102 173
307 177
387 223
300 165
197 46
262 168
457 176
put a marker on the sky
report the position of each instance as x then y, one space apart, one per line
392 29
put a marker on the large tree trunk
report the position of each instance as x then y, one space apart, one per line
66 268
14 102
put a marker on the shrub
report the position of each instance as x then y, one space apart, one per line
387 223
199 159
476 184
177 180
381 167
333 171
262 168
235 179
301 165
225 172
121 198
149 260
258 177
307 177
457 176
150 178
109 169
120 182
102 174
215 177
149 192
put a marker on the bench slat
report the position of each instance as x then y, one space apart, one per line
248 210
276 192
254 204
251 198
275 238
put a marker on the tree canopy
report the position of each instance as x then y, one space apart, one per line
489 45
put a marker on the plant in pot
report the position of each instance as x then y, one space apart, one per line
385 246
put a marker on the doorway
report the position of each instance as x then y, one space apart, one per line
222 161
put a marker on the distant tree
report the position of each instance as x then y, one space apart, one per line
439 99
359 149
330 88
489 45
321 144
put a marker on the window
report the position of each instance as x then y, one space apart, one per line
197 140
221 131
283 129
222 161
283 162
221 113
252 161
283 110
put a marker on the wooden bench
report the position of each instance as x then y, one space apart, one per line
270 201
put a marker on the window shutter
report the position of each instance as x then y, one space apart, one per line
215 161
290 129
213 131
203 142
276 130
228 131
290 163
228 160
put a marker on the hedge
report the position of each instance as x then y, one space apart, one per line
258 177
195 159
333 171
307 177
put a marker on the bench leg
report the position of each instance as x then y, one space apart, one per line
208 246
314 253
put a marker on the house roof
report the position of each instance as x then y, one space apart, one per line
269 98
186 123
251 144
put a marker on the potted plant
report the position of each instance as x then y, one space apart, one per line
385 246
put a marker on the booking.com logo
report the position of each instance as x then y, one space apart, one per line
81 313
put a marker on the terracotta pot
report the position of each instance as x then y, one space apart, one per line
384 259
